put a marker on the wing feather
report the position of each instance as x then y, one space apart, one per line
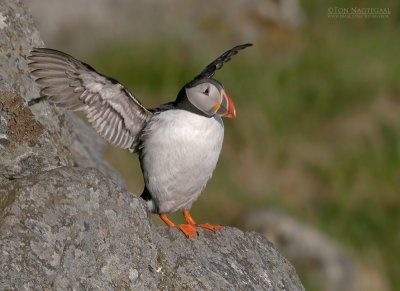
111 109
217 64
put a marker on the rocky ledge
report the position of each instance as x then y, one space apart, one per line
73 228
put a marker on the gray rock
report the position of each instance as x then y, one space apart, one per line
26 147
73 228
38 137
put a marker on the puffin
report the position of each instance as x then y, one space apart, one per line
178 143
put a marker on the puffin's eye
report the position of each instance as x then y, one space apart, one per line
207 91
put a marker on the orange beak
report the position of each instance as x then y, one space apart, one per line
227 108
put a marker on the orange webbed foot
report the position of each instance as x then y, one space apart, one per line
191 221
210 227
188 229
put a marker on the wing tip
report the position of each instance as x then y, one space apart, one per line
245 45
209 70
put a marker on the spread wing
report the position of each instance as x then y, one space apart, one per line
111 109
217 64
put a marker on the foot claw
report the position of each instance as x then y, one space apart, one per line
210 227
188 229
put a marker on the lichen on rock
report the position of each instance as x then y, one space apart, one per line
22 127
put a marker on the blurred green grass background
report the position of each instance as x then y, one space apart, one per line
317 132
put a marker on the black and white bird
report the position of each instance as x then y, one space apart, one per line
178 143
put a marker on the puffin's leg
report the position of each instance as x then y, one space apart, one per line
189 219
188 229
166 220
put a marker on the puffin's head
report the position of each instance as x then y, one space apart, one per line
206 97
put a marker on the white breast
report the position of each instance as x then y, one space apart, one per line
179 153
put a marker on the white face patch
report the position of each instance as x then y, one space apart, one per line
205 97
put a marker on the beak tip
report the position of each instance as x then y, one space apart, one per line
231 112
